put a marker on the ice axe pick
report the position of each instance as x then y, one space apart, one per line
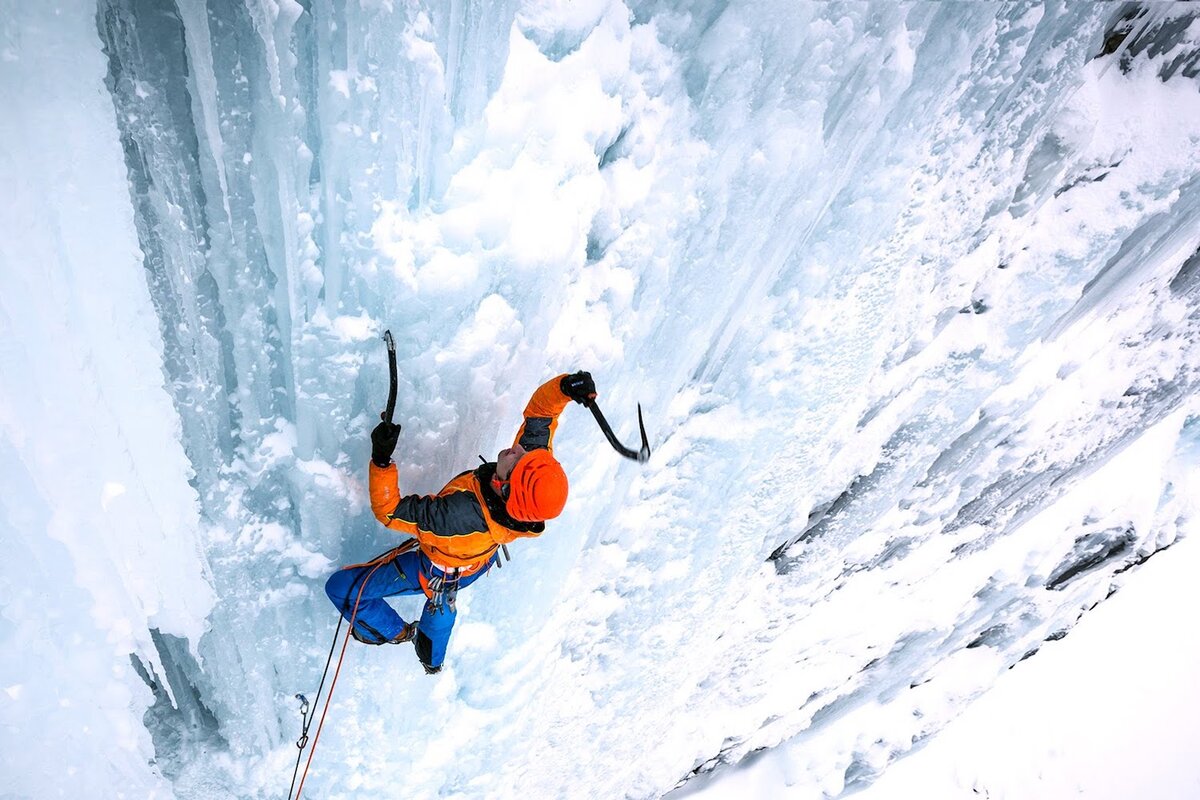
391 350
641 456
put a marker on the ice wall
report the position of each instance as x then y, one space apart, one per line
100 527
259 140
890 281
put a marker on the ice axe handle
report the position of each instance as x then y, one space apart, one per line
641 456
391 403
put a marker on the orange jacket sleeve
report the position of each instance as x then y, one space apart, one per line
385 496
541 416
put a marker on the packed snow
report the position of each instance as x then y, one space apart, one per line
909 295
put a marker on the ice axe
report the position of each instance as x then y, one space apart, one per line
641 456
386 416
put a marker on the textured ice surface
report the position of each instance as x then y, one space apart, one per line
893 283
101 535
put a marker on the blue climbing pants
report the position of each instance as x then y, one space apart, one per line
368 584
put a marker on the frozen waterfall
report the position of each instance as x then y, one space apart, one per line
910 294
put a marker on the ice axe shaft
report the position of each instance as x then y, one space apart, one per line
391 403
641 456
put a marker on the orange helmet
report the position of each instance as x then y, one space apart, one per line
538 487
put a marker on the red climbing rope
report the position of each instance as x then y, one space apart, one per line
375 563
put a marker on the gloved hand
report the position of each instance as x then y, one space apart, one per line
578 386
383 443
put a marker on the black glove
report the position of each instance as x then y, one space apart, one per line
383 443
578 386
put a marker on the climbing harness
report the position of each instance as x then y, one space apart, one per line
443 589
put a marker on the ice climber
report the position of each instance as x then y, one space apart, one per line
459 531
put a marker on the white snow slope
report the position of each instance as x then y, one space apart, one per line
909 295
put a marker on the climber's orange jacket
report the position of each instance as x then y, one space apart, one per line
464 524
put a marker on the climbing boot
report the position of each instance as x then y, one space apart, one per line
406 634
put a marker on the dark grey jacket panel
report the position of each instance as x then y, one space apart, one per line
454 514
536 434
